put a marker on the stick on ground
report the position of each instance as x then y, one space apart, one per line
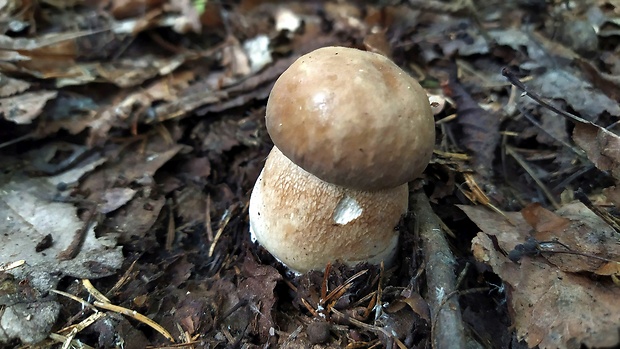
447 327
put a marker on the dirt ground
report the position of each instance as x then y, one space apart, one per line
132 133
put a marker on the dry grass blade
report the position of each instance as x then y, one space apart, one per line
224 222
83 324
94 292
176 345
75 329
510 151
123 280
309 308
476 195
135 315
121 310
11 265
115 308
75 298
338 291
75 343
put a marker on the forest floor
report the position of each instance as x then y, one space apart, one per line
132 133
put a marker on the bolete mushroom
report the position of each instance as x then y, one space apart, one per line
350 129
352 118
306 222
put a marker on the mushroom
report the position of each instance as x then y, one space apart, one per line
350 130
306 222
352 118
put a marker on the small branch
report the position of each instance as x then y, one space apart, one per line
447 328
520 85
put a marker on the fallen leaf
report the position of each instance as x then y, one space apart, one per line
10 86
114 198
134 220
30 216
29 321
543 220
601 146
181 270
191 203
23 108
480 128
550 308
257 288
607 83
613 194
191 312
609 268
579 94
578 228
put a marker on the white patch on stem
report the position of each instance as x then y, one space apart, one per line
347 210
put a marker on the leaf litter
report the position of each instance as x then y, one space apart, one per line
139 126
552 302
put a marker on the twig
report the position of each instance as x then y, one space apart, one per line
510 151
448 333
171 231
515 81
534 122
372 328
78 239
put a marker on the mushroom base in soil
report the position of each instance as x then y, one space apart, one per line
306 222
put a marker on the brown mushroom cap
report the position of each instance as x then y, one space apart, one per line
352 118
306 222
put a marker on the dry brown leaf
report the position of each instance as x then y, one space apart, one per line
163 89
31 214
608 83
135 220
480 128
578 228
114 198
609 268
579 94
550 308
130 8
54 44
134 164
613 194
133 72
257 288
542 219
24 108
191 203
601 146
10 86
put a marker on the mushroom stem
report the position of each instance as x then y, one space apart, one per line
306 222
